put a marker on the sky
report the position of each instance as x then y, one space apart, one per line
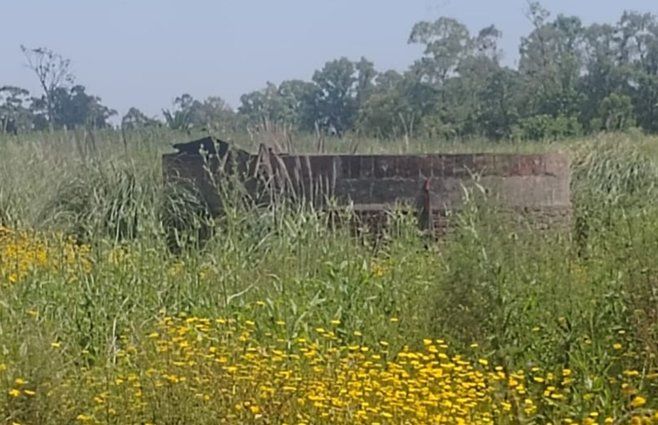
144 53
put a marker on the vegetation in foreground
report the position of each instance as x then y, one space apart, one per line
280 319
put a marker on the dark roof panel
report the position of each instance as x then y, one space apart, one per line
208 144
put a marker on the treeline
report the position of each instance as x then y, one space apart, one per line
63 103
571 79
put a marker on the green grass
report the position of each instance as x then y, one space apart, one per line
551 301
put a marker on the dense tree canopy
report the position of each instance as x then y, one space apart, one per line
571 79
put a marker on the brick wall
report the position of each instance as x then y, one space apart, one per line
535 187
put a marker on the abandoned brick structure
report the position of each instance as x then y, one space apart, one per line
531 187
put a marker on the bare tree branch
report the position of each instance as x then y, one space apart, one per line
52 71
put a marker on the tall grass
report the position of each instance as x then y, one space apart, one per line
583 302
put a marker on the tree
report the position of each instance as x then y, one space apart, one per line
291 103
603 74
366 75
396 106
212 113
297 103
458 67
551 63
135 119
636 36
446 42
486 43
498 99
336 95
547 127
644 95
460 101
615 113
15 115
53 72
259 105
388 80
180 118
70 108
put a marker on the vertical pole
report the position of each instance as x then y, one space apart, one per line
428 206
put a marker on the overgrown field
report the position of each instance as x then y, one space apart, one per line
280 319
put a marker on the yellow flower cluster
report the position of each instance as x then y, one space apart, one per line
218 367
22 254
379 269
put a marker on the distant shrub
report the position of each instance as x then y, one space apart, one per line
547 127
615 114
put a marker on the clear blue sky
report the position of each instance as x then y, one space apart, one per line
146 52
